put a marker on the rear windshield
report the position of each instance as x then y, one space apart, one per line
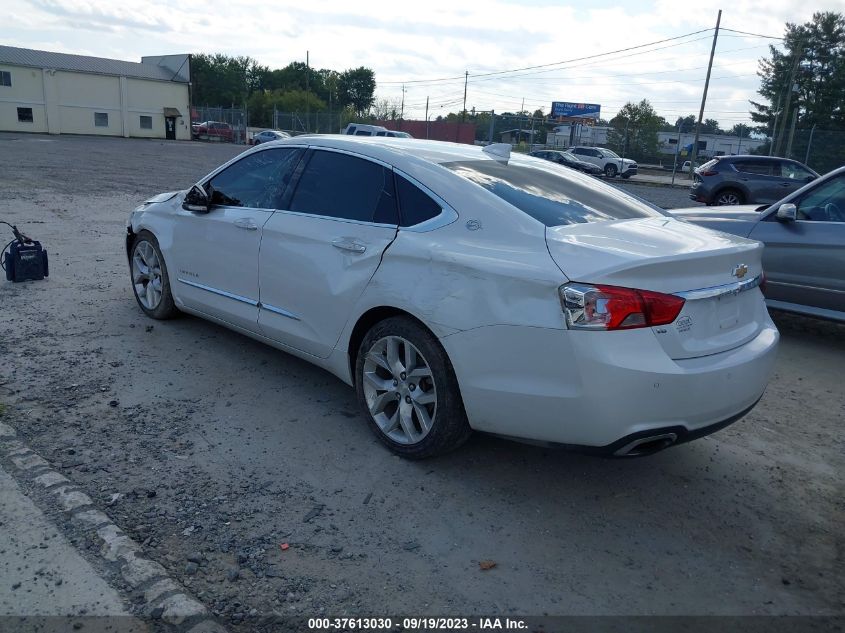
551 194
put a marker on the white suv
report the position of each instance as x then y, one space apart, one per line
360 129
610 162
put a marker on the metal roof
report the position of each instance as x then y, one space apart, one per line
84 64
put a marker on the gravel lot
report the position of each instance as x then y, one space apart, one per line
220 449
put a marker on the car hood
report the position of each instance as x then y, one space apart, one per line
740 212
162 197
661 254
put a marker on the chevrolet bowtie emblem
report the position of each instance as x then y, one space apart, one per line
740 271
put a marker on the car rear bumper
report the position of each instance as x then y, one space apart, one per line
602 389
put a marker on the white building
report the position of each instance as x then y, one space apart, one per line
57 93
709 145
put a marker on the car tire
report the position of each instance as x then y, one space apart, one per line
610 171
729 197
407 389
626 176
150 281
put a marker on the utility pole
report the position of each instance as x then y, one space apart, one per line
677 149
790 89
492 123
307 105
402 107
464 112
704 96
775 127
426 116
791 132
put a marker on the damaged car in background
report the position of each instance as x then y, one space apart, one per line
460 288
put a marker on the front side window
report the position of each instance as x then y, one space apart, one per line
608 154
101 119
257 181
25 115
343 186
825 203
5 78
146 122
552 196
415 206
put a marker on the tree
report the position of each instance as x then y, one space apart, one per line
740 129
356 88
710 126
223 80
687 123
820 76
384 109
635 130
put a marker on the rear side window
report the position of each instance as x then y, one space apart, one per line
552 196
342 186
415 206
257 181
761 168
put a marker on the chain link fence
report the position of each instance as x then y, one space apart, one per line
822 150
218 124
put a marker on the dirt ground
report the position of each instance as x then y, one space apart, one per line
203 444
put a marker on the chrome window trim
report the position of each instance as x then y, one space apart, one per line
720 291
305 214
222 293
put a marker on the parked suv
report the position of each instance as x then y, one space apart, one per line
361 129
568 160
748 179
213 130
609 161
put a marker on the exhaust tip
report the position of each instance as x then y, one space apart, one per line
647 445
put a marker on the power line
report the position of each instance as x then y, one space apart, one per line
768 37
568 61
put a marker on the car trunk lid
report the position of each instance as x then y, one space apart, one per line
717 274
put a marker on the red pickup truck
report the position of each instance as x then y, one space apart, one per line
212 130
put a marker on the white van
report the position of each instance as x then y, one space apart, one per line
360 129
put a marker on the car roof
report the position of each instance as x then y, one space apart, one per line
396 151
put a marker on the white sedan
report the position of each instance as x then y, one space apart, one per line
460 288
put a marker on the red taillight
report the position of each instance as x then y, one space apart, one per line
590 307
709 172
763 281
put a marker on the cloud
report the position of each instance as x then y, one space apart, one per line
406 43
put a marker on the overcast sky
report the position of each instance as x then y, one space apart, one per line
441 39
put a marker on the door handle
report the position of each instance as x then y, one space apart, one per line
246 223
346 244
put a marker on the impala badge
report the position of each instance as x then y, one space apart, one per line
740 271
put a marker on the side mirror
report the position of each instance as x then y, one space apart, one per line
787 212
196 200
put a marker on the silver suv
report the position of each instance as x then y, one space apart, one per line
748 179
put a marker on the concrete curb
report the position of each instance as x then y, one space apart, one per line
164 599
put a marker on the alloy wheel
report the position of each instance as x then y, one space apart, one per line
146 275
399 390
727 198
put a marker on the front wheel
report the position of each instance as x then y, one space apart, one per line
408 390
610 171
150 281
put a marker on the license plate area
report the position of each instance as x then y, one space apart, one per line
727 311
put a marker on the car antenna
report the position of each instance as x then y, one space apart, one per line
499 151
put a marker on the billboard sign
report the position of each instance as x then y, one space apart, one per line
576 110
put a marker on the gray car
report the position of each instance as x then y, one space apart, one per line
748 179
804 234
